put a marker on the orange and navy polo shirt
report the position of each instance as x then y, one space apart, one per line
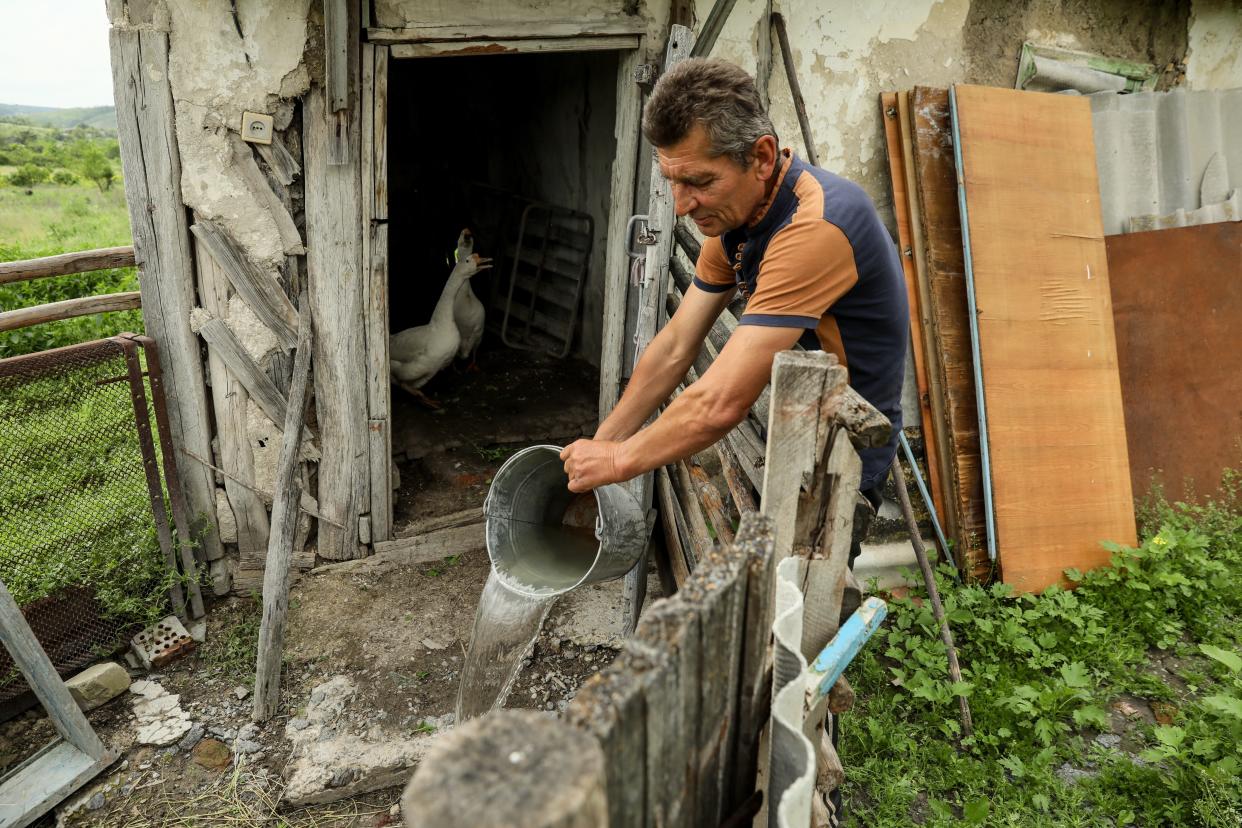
819 258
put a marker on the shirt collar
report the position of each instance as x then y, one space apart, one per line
779 198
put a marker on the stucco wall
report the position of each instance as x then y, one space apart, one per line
847 53
1214 53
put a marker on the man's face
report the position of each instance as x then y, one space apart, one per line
714 191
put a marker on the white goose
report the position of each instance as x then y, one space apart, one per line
415 355
468 311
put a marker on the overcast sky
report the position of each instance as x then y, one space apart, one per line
54 55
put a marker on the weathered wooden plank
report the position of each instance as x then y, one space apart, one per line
279 160
824 578
435 544
258 288
379 461
36 667
1052 396
672 627
660 220
69 309
81 261
375 292
44 780
333 222
671 519
514 767
936 182
617 261
336 38
867 427
378 380
754 543
248 169
611 707
367 137
280 546
798 382
507 30
152 167
717 589
230 399
735 478
687 497
939 456
604 43
471 514
379 177
712 503
224 343
795 89
687 242
893 134
712 27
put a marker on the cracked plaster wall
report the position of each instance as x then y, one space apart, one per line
1214 57
227 58
846 54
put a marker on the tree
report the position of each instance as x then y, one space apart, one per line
97 169
64 177
28 175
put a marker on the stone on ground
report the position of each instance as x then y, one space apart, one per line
98 684
161 721
335 756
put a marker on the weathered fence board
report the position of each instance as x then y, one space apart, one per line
79 261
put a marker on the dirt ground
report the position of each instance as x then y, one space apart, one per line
398 632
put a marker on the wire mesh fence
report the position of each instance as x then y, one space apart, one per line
86 542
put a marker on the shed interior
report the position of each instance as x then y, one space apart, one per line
519 148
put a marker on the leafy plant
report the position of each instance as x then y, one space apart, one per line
1041 672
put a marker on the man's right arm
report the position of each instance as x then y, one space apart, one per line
664 363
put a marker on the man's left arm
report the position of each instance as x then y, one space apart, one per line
705 412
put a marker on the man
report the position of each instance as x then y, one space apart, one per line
804 247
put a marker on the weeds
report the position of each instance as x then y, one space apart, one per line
1041 672
233 650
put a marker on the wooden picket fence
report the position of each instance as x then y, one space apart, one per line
682 719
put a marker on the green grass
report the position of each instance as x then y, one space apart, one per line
1041 673
74 508
60 219
232 651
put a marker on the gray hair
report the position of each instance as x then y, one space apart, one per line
712 92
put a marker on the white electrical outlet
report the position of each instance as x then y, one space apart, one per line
256 128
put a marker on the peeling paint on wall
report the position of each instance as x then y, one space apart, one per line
1214 51
227 58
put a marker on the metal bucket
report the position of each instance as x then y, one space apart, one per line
543 540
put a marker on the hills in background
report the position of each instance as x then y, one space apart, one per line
100 117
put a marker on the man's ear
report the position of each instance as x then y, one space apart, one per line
764 154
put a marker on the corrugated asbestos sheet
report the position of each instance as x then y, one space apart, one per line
1161 152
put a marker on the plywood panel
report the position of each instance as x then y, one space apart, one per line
936 184
1177 309
1056 431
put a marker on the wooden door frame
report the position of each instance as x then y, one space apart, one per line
384 45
